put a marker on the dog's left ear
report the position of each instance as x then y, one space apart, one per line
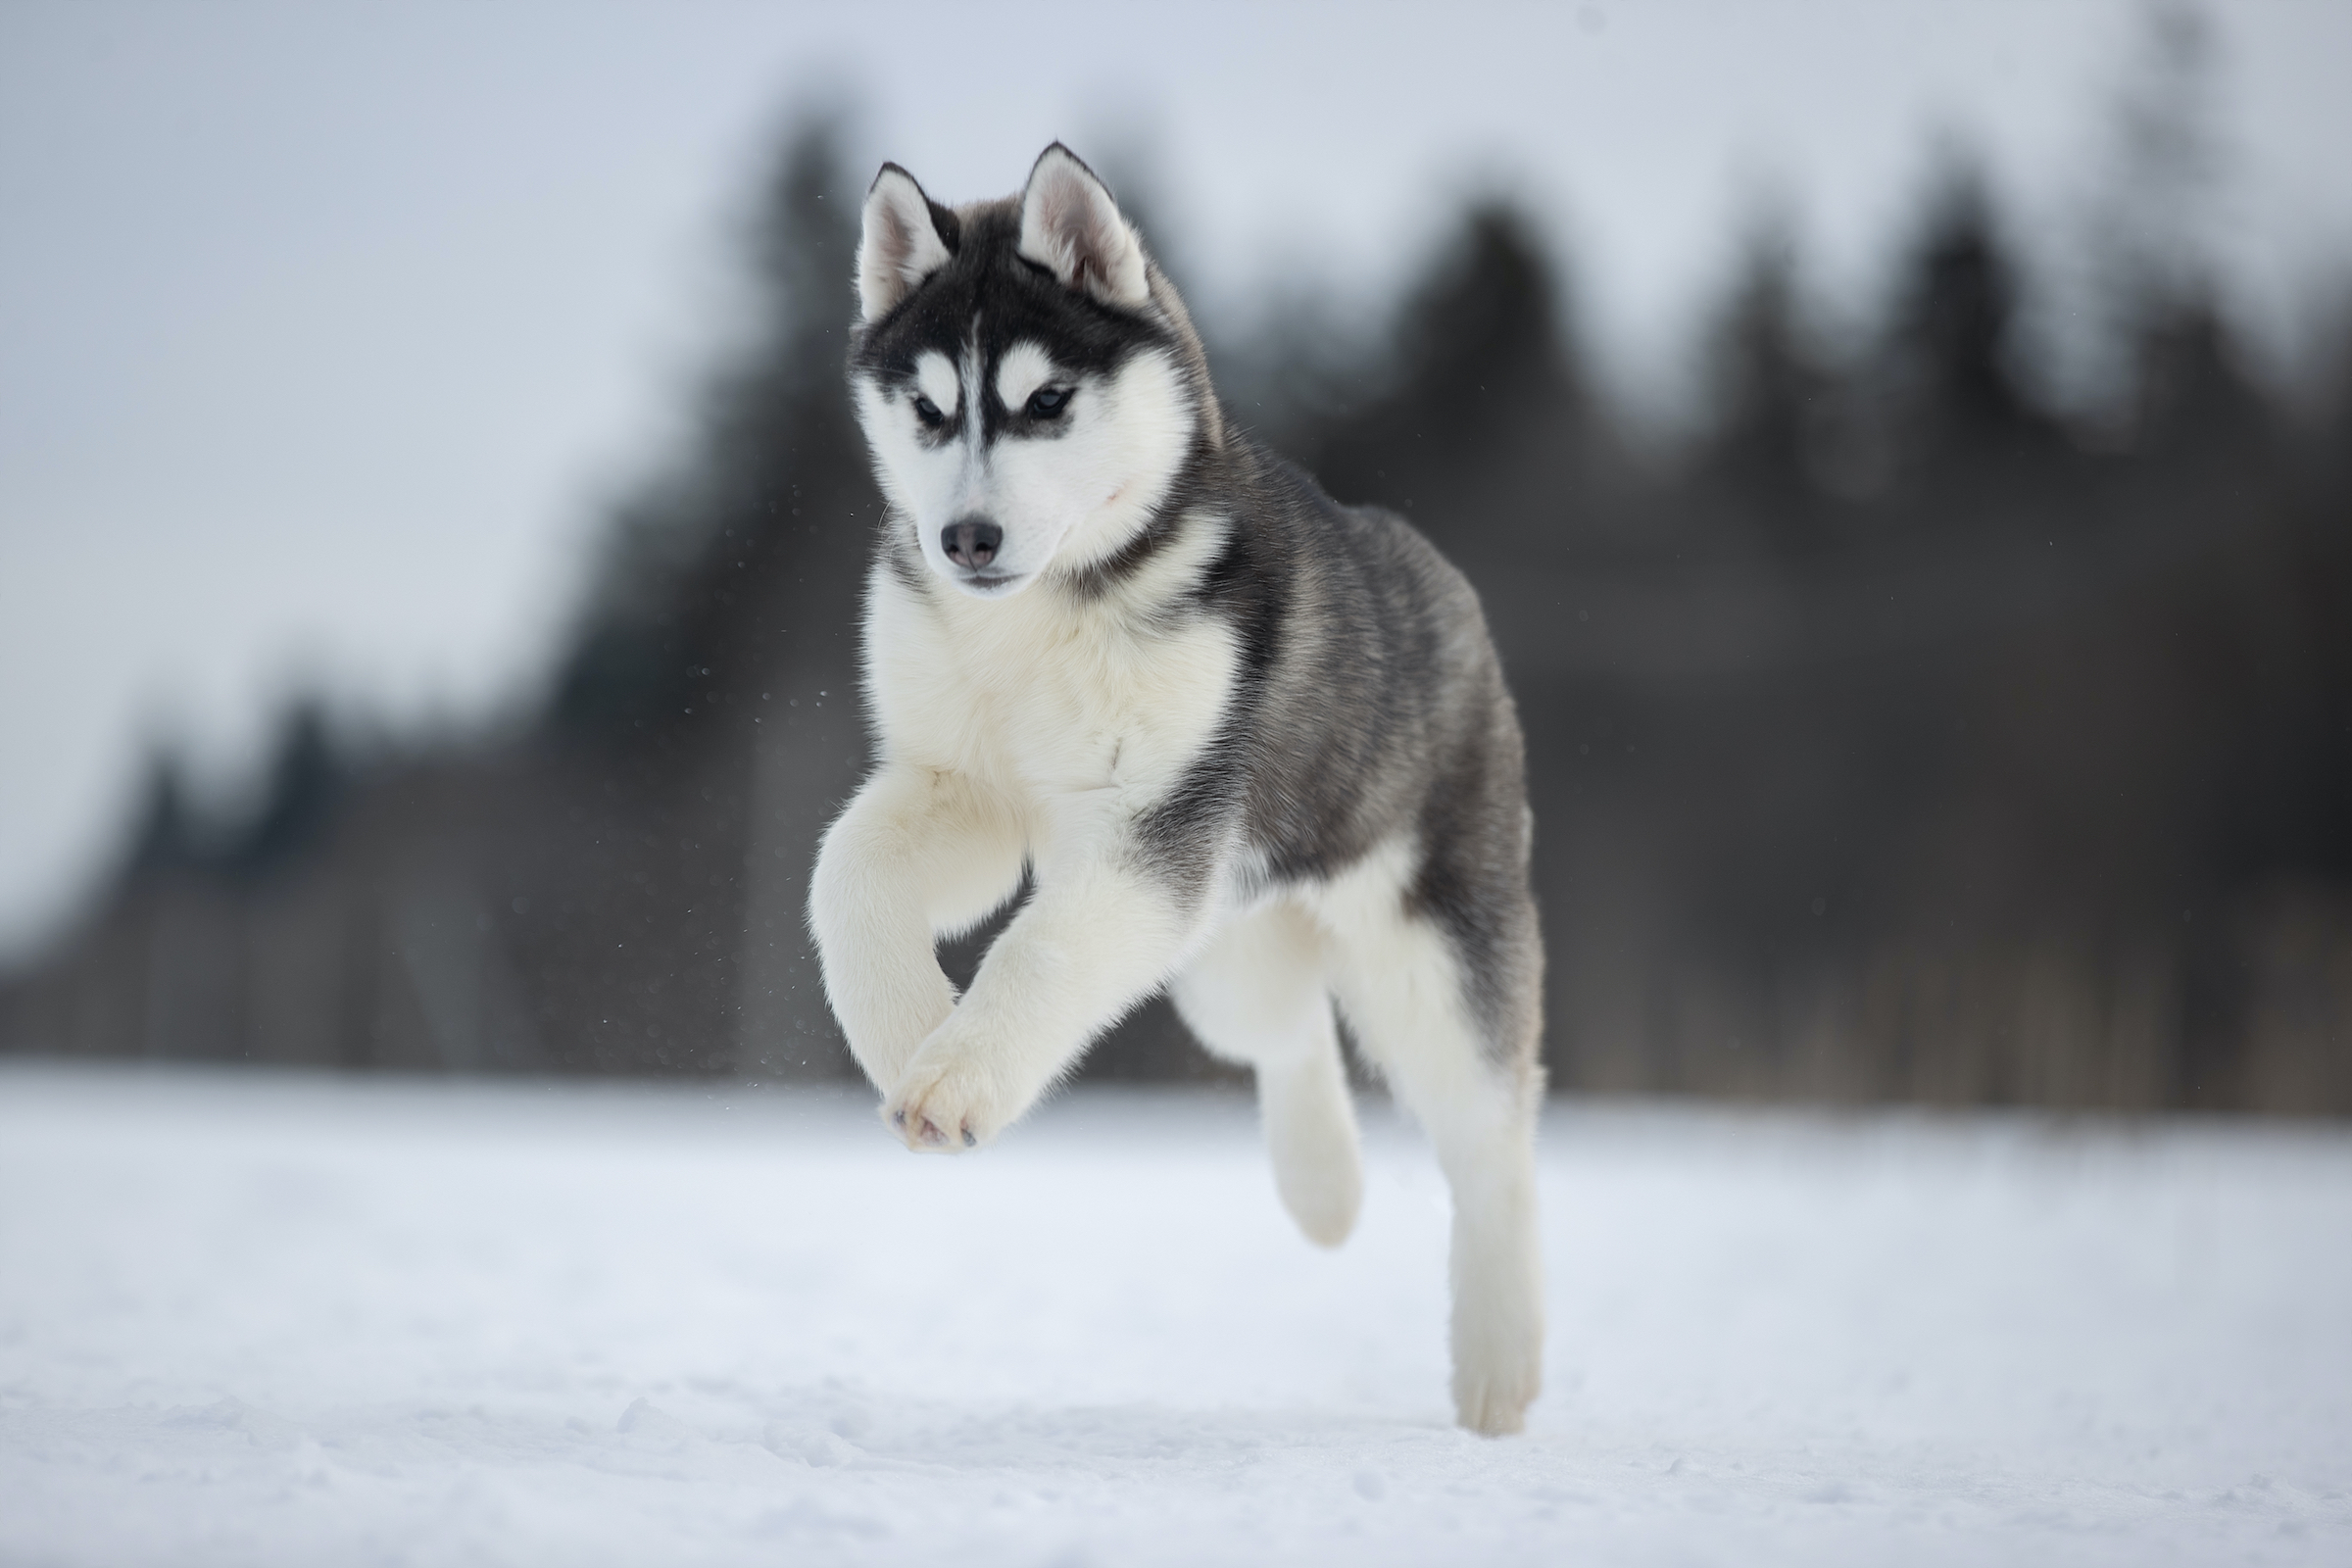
1071 227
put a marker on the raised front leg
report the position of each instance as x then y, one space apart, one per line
918 853
1100 932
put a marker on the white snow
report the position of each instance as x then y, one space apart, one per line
285 1320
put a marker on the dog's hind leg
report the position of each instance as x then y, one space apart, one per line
1255 995
1469 1074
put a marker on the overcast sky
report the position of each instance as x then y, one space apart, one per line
324 328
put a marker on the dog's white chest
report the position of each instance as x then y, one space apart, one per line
1043 695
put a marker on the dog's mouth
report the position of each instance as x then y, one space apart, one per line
988 584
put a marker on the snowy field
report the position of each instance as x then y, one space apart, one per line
282 1320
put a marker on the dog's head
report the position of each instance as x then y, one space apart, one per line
1029 383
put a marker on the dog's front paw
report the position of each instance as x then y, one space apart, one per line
949 1101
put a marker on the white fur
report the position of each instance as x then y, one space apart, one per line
936 379
1024 369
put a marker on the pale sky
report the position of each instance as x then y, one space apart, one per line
324 328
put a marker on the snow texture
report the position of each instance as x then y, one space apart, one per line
273 1320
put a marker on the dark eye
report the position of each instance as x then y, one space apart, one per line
928 411
1047 403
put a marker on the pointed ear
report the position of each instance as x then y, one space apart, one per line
901 245
1071 227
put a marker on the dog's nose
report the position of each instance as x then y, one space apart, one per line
973 542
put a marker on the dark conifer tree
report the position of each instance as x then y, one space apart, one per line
708 711
1956 403
1479 429
740 509
164 834
1771 396
305 788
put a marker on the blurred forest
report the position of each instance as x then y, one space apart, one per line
1901 734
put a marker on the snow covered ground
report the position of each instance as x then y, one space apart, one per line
282 1320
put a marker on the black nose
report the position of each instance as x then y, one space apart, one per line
973 542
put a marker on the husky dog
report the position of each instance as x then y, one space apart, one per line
1251 745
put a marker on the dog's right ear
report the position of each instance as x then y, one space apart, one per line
901 245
